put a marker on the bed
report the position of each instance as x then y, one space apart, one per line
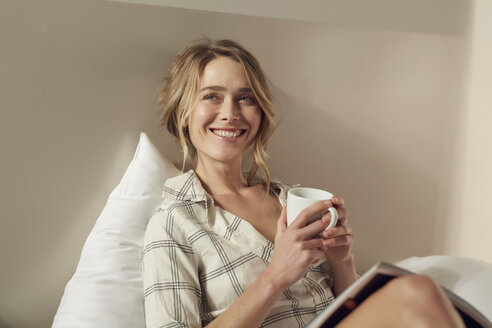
106 289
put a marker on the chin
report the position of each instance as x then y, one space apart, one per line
225 158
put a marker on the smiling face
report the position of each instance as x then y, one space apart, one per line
226 116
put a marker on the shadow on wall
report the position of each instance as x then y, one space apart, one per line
3 324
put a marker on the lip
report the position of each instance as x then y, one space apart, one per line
229 139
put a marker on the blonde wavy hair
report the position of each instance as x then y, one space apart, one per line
179 94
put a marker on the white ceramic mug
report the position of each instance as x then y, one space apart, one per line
300 198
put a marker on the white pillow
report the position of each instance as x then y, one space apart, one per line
468 278
106 290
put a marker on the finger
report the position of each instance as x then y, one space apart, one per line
342 221
314 228
317 226
343 240
327 218
312 243
338 201
309 212
282 221
337 231
313 252
342 216
342 213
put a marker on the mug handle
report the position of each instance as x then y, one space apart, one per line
334 217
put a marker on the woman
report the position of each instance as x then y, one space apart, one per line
218 251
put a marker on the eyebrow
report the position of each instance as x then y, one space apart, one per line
219 88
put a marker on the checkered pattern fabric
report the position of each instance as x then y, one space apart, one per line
198 259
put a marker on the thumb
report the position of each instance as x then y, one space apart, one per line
282 221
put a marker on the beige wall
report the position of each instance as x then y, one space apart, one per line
392 115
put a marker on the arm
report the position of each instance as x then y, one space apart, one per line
343 274
172 291
253 306
295 251
168 302
338 250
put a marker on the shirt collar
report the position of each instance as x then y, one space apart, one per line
187 187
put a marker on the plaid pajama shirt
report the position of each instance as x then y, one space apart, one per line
198 259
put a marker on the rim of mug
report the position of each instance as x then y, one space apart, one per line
293 192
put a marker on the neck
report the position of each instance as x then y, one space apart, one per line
221 178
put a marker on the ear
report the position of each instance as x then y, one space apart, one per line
185 123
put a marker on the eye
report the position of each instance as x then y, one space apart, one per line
211 96
248 99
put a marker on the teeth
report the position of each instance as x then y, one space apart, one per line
228 134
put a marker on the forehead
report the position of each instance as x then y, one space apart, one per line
225 72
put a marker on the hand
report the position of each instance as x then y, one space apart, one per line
339 239
297 246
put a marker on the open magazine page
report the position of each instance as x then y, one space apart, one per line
374 279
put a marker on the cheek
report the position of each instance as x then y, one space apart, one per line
195 119
198 120
201 115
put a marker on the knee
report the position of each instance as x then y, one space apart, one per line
417 289
422 300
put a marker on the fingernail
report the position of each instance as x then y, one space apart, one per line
327 202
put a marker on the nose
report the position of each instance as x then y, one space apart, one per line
230 111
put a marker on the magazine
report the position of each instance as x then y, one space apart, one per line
374 279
